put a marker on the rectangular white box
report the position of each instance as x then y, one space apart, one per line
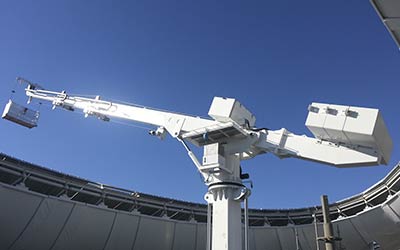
350 125
228 109
212 159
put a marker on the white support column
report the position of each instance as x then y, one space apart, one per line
226 221
226 193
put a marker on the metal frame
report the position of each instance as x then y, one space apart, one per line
53 183
230 138
386 20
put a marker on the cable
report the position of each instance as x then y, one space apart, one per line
130 124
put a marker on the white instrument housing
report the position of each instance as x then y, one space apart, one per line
348 125
229 109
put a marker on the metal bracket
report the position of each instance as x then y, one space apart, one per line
174 125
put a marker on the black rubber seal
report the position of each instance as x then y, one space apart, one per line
226 183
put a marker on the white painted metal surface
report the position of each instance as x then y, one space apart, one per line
230 138
350 126
228 109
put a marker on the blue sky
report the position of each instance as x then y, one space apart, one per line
276 57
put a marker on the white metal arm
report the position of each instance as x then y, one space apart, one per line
285 144
251 143
345 137
104 110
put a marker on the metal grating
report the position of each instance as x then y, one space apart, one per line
20 115
51 183
215 133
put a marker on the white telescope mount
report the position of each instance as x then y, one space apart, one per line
345 136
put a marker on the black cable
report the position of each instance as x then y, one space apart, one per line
259 129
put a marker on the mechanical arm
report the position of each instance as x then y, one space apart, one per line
344 137
237 135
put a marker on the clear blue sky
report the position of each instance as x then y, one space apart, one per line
276 57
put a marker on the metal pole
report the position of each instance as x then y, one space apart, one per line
226 193
227 225
328 229
297 239
246 224
316 231
209 207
